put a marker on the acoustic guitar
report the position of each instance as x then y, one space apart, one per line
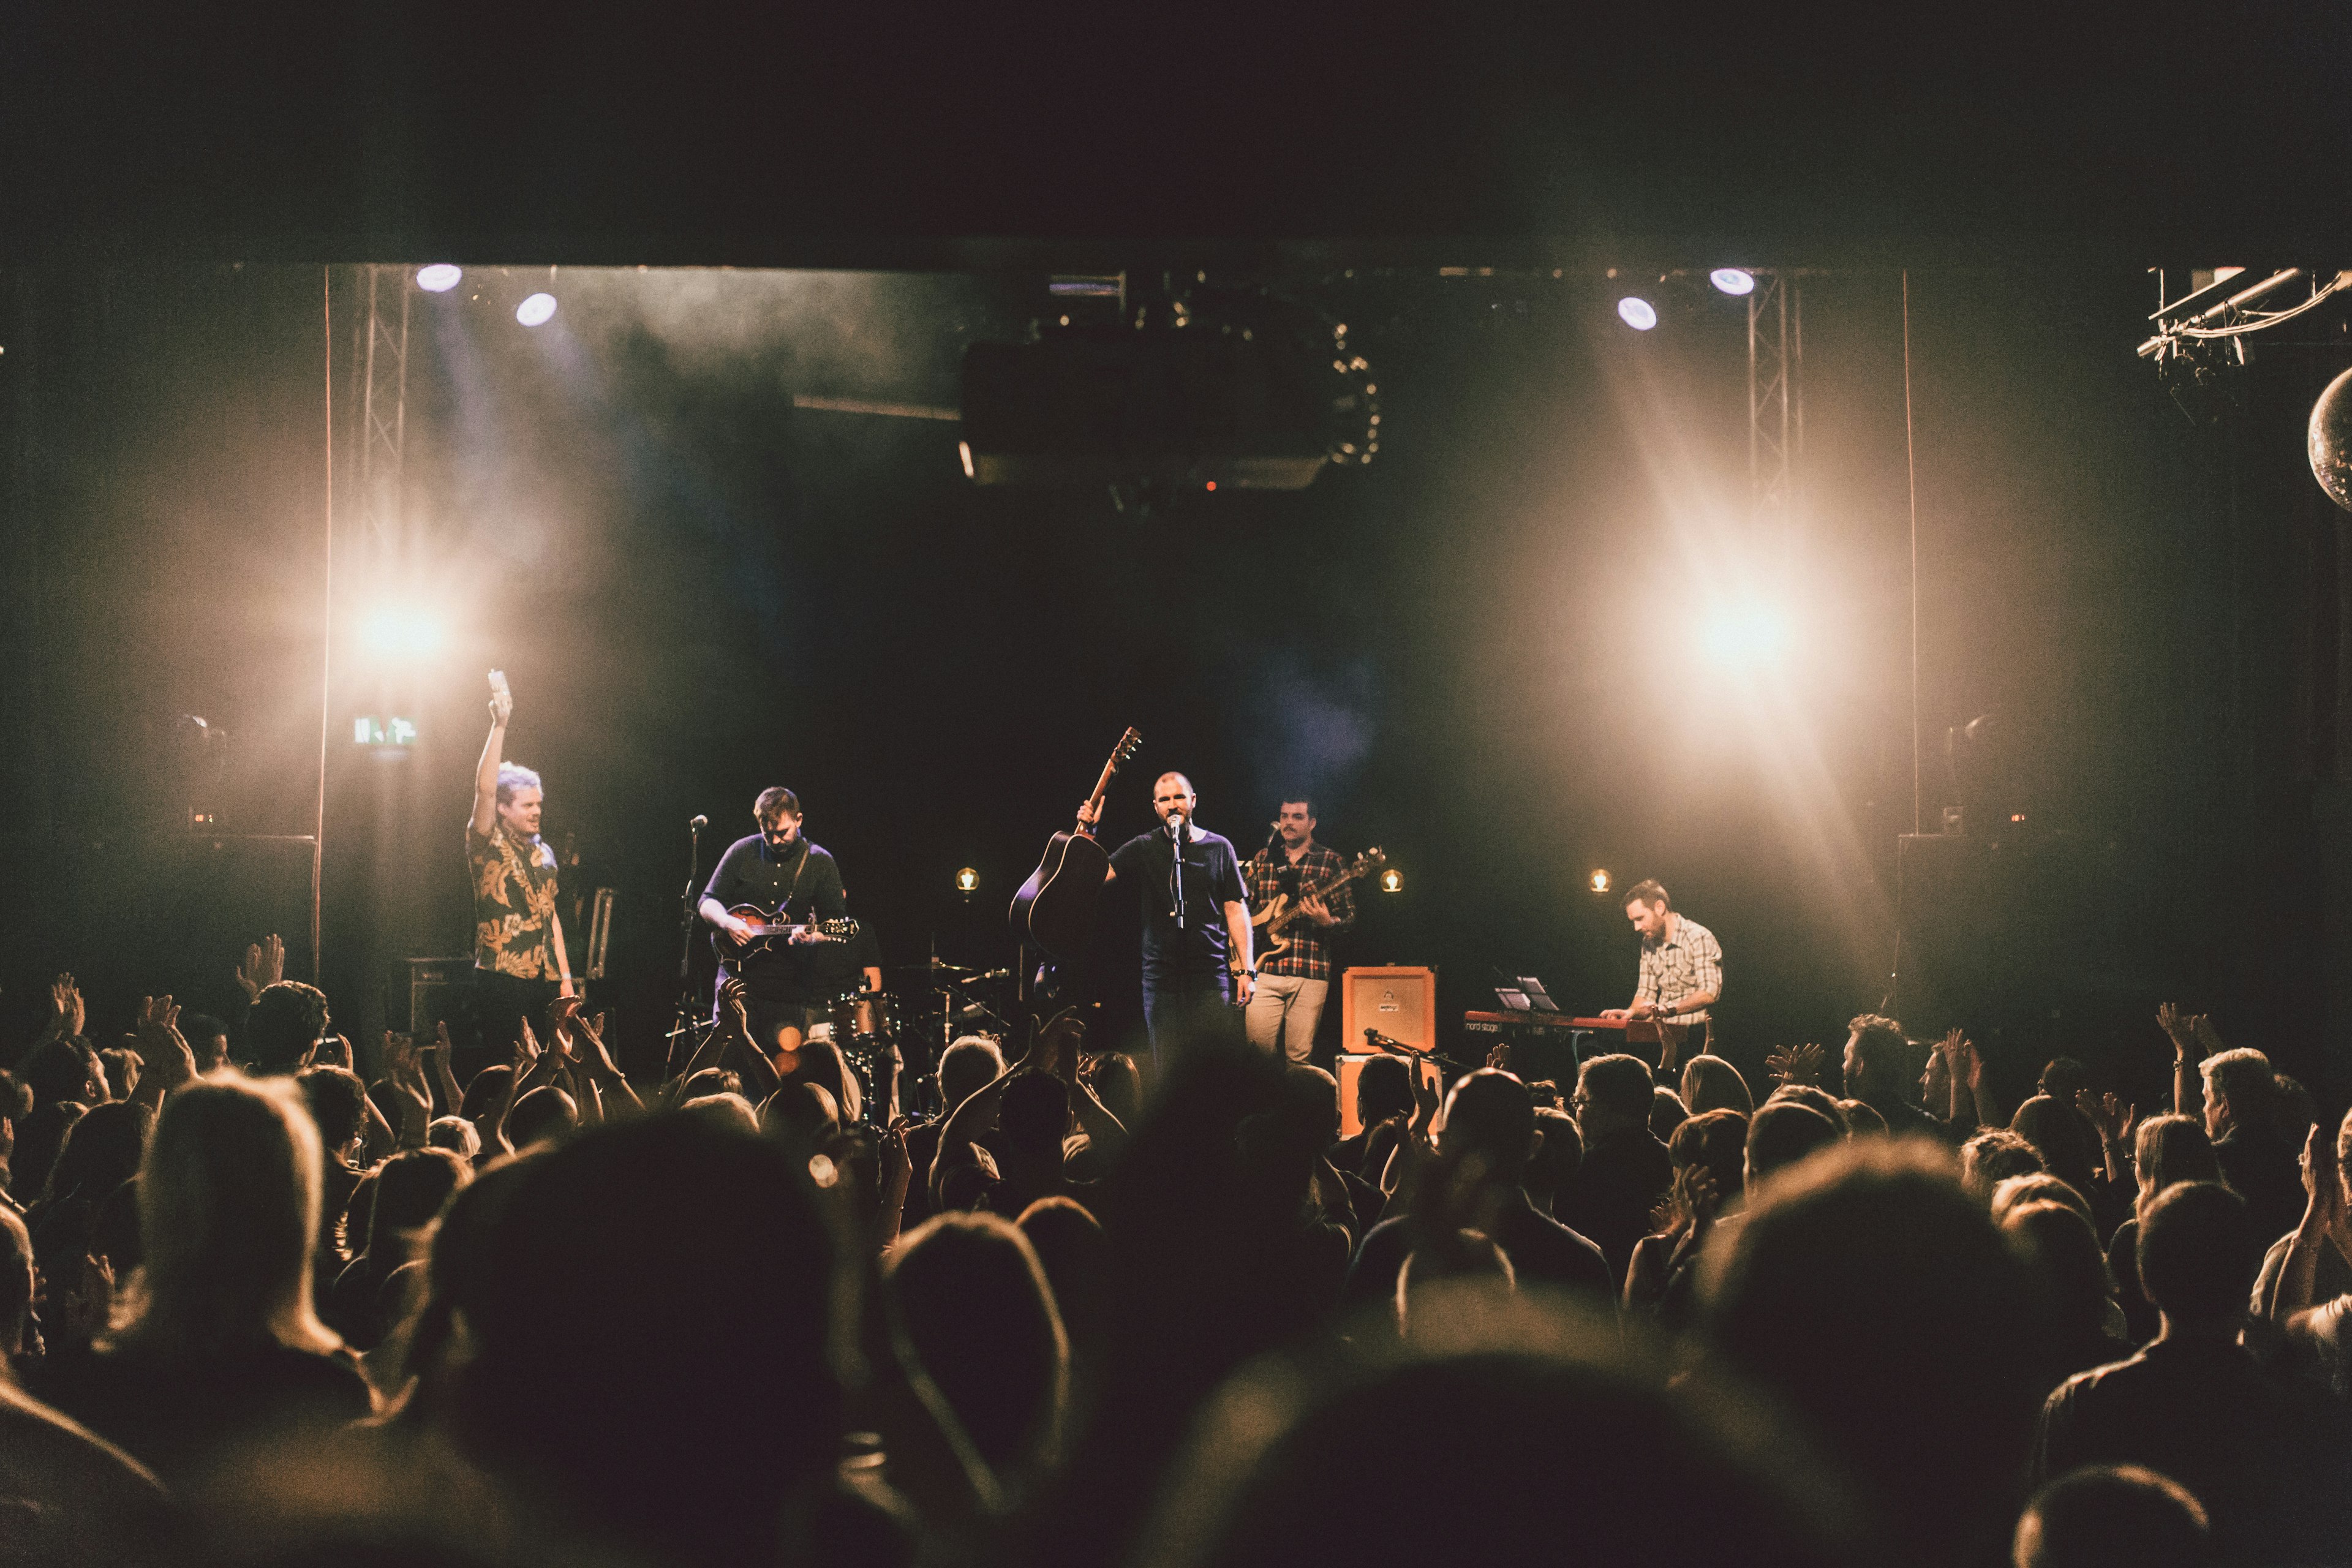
1286 911
1054 909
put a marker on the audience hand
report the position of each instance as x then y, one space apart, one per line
734 1012
69 1013
264 966
86 1309
2111 1116
2209 1039
2321 1185
2183 1029
331 1051
1499 1057
897 1164
161 1048
1794 1064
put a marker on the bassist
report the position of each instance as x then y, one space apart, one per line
777 868
1293 981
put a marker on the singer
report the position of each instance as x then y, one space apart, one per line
519 963
1196 924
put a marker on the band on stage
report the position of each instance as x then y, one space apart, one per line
1242 948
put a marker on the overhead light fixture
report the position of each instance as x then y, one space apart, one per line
439 278
1637 312
1598 881
967 880
537 310
1391 881
1733 279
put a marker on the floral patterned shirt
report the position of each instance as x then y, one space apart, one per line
514 903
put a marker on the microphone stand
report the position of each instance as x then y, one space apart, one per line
1176 868
689 1012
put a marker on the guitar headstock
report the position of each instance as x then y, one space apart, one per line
1369 861
840 929
1129 744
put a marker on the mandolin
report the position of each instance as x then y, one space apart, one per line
1054 909
771 930
1285 913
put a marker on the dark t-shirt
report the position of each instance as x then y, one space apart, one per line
803 880
1213 878
177 1414
1624 1173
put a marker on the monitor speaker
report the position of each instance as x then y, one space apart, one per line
1400 1001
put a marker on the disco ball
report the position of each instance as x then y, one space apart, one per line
2331 440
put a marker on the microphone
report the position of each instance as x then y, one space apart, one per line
698 824
1176 826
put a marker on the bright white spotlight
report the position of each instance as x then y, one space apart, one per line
1637 312
537 310
1733 281
438 278
401 632
1747 635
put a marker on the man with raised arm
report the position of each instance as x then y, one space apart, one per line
519 965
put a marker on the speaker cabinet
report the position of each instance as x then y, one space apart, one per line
1400 1001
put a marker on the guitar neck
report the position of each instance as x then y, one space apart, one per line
1102 788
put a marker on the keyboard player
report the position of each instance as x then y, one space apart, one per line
1682 966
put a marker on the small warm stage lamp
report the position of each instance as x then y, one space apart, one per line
438 278
967 880
1637 312
1732 281
1391 881
537 310
1598 881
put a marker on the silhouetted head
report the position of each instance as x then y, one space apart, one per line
1068 1241
1991 1157
2240 1092
1862 1121
1820 1099
2058 1133
728 1110
1844 1270
2039 1187
971 1314
651 1307
1716 1143
1667 1112
2169 1149
1612 1093
543 1115
2113 1516
1119 1084
1489 1114
2063 1078
102 1150
2067 1267
1487 1385
1710 1083
2199 1255
229 1214
1558 1157
285 1021
967 1067
487 1091
338 1104
16 1282
412 1188
805 1112
60 1070
1782 1133
1033 1117
1877 1063
1383 1089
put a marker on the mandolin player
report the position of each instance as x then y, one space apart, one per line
1293 983
778 869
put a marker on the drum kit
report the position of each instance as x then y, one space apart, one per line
899 1034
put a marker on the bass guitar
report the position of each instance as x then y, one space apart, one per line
1286 911
1054 909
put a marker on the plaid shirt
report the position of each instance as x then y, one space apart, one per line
1308 956
1683 965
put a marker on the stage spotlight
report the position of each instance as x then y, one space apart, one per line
1747 635
1637 312
438 278
1733 281
1598 881
967 880
399 632
1391 881
537 310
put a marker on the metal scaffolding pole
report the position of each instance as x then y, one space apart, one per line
1776 395
383 408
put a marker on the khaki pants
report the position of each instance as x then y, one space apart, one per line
1283 1013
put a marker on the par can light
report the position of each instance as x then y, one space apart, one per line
537 310
439 278
1733 281
1637 312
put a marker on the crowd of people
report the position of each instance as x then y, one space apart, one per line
269 1299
